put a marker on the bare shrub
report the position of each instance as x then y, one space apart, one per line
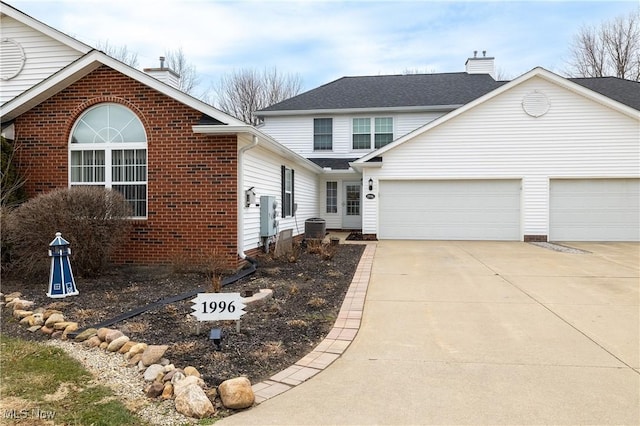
297 323
326 251
213 266
316 302
92 219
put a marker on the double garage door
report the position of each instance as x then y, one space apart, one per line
450 210
579 210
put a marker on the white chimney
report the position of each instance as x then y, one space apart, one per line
482 65
164 74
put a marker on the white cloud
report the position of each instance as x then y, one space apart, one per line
324 40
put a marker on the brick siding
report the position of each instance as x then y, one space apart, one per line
192 178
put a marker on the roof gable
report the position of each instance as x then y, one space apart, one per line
536 72
87 64
447 91
8 10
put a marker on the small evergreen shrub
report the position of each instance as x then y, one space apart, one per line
92 219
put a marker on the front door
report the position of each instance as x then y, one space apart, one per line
351 205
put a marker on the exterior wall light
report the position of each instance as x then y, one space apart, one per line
370 184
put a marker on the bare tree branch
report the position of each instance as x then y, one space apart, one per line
177 61
243 92
613 49
121 53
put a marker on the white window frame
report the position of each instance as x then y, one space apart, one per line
331 197
108 148
372 132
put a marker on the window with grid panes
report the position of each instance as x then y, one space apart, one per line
383 131
361 133
108 148
322 134
332 197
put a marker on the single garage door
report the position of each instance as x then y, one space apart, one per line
450 210
594 210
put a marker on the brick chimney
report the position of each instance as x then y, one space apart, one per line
482 65
164 74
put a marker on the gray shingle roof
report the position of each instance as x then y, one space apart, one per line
428 90
624 91
334 163
388 91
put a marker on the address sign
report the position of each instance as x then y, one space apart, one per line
218 306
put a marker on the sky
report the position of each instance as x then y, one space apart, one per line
323 40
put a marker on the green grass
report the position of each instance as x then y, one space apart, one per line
30 375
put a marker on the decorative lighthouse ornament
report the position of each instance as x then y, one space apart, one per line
61 283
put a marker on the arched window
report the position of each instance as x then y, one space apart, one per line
108 148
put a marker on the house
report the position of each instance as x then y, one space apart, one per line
193 175
461 156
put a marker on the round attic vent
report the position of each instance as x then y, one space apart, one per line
535 104
12 58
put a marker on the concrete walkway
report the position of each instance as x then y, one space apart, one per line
483 333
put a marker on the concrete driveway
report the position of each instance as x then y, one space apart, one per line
483 333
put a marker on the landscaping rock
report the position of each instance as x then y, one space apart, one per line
153 354
113 335
151 373
56 334
134 360
46 330
176 377
19 313
62 325
236 393
86 334
138 348
191 371
70 329
125 348
180 385
36 319
167 391
154 390
34 328
169 367
193 402
93 342
116 344
102 332
170 374
15 295
25 320
104 345
20 304
48 312
53 318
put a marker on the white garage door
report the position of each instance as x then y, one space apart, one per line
595 210
450 210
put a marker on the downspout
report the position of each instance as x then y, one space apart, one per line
240 220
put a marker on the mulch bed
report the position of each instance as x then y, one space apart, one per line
307 295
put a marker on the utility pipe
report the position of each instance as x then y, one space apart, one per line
241 195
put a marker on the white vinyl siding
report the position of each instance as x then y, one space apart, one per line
450 210
595 210
497 139
262 171
44 57
296 132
